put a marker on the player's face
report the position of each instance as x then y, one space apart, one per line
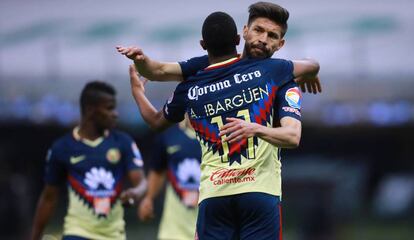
262 38
105 114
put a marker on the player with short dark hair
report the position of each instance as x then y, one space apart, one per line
232 105
93 161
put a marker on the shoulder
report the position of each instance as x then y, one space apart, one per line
171 131
64 142
120 136
277 61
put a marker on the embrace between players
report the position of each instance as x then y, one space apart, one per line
244 109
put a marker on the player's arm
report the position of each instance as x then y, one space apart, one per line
139 186
154 118
305 72
150 69
287 135
45 209
288 105
155 182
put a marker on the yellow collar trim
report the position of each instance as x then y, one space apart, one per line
91 143
223 63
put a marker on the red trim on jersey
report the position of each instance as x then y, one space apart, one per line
224 64
175 184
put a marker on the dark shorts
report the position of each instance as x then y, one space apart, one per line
71 237
255 216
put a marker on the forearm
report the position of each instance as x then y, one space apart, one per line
305 68
138 182
285 137
155 183
148 112
44 211
159 71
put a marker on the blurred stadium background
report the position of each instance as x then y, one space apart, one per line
351 178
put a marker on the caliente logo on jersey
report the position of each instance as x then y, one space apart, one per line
293 97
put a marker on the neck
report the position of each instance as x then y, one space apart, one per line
214 59
90 131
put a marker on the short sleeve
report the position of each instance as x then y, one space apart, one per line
191 66
289 100
55 173
175 107
282 70
159 156
132 155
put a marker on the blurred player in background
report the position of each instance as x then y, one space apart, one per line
259 43
177 155
93 161
230 105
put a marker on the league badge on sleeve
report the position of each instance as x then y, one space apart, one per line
294 97
137 155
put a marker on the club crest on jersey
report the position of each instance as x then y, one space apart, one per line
113 155
293 97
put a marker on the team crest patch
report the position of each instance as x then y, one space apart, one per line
113 155
293 97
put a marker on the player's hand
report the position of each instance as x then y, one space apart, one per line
146 209
137 84
309 84
236 129
134 53
127 198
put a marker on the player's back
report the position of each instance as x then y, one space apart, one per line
245 89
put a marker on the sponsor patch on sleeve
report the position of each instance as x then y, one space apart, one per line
292 110
294 97
137 155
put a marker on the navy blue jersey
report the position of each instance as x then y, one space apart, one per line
174 149
242 78
249 89
94 172
191 66
178 152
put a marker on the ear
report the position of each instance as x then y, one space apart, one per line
281 43
245 30
237 39
89 110
203 45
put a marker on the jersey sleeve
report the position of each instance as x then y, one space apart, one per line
132 155
289 100
282 70
159 155
55 173
191 66
175 107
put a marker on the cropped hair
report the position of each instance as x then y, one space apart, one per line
219 33
92 93
271 11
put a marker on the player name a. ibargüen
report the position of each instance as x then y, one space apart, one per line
247 96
